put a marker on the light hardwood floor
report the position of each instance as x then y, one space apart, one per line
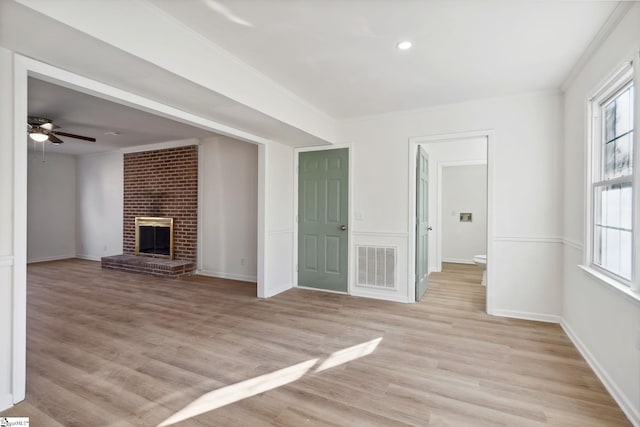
108 348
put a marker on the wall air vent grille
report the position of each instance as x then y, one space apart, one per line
377 267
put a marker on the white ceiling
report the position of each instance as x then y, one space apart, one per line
341 55
338 55
82 114
59 44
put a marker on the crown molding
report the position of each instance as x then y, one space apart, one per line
605 31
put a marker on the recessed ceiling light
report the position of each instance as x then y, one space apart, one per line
113 133
404 45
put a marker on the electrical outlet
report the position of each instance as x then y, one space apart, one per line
243 261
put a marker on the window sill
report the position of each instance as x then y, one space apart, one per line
612 284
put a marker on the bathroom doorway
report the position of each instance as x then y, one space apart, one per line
462 207
458 209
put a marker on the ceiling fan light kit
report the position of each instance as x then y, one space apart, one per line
38 137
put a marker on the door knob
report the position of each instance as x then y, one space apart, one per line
343 227
429 228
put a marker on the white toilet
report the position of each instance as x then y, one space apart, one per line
481 260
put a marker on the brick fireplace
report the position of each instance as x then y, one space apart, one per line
161 183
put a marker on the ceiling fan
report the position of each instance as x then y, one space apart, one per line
41 129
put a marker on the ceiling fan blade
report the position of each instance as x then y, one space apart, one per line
54 139
71 135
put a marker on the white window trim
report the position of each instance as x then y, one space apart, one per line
626 72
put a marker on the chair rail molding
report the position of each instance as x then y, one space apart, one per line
403 235
6 261
573 244
528 239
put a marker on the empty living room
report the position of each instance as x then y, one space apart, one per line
319 213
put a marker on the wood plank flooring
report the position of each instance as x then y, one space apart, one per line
108 348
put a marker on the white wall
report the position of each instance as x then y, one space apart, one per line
229 190
279 221
6 228
526 166
441 153
100 205
464 189
229 207
604 324
51 206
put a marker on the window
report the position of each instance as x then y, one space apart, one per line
612 179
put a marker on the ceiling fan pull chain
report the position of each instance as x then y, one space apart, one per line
43 152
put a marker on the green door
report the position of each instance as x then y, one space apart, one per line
323 219
422 222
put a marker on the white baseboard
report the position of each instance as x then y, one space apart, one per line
525 315
274 292
309 288
6 401
231 276
89 257
458 260
50 258
633 413
359 292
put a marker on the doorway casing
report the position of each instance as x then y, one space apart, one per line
452 138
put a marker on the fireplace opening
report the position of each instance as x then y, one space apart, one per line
154 240
154 236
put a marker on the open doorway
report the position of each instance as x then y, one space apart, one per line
27 70
463 213
450 221
85 192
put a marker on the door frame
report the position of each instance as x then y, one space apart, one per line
491 204
296 168
23 68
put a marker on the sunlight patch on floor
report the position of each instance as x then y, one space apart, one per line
349 354
251 387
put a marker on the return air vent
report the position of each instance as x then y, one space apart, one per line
377 267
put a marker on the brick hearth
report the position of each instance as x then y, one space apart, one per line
148 265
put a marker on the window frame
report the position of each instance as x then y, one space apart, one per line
619 81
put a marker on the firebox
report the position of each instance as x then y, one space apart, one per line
154 237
